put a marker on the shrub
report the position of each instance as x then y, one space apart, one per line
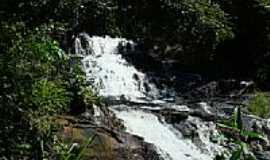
90 97
34 76
260 105
72 151
82 95
50 97
186 30
239 136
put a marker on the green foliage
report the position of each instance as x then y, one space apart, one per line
94 16
252 135
72 151
242 153
79 88
37 81
188 30
239 153
36 84
90 97
250 19
260 105
44 124
28 59
49 97
196 33
210 15
236 127
237 119
31 56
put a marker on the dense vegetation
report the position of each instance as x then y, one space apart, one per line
199 34
38 81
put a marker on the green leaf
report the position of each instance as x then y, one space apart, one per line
239 121
236 155
252 134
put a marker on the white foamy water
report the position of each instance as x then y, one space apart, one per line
205 130
115 77
170 144
110 72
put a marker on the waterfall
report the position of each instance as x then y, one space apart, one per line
169 142
115 77
111 73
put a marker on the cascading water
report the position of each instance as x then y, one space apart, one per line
115 77
169 142
112 75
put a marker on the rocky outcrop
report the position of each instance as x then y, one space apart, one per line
230 89
263 155
110 141
195 120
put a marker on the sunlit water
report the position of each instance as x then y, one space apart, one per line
111 73
169 142
115 77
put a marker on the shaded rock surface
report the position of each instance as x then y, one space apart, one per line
216 102
110 142
263 155
136 93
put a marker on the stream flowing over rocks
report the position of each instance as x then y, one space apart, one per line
177 126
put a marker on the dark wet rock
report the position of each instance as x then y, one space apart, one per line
106 146
250 155
262 155
187 128
203 110
206 91
232 87
136 77
223 110
256 146
253 123
174 114
266 127
256 124
224 88
135 148
174 117
110 142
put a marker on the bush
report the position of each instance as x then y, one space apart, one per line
49 97
251 40
260 105
82 94
33 88
90 97
187 31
